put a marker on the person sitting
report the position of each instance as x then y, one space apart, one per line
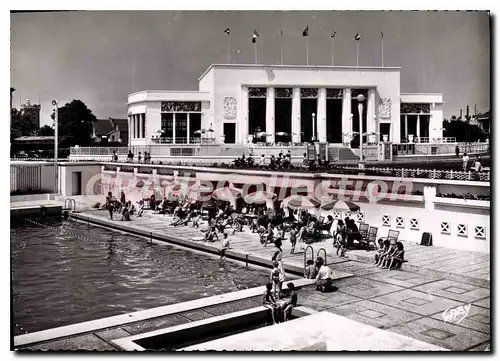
310 272
396 260
267 236
385 257
244 210
152 202
211 235
196 220
382 247
324 277
269 301
131 208
278 232
352 233
141 208
291 303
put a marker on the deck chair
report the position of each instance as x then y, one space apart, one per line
363 230
393 236
371 237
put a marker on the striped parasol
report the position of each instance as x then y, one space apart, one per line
259 197
298 202
226 193
340 206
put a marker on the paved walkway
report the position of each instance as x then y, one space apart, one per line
464 265
411 301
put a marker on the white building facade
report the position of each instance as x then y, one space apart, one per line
285 103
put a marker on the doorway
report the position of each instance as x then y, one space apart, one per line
230 133
76 183
385 129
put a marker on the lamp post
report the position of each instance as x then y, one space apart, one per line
360 98
314 127
56 144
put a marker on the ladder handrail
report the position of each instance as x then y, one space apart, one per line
72 204
324 251
305 255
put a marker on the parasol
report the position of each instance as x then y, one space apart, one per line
259 197
341 206
297 202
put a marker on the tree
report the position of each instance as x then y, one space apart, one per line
463 131
75 124
46 131
22 124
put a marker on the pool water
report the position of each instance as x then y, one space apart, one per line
69 272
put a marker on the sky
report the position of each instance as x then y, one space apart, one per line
100 57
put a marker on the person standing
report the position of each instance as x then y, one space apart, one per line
278 257
465 162
109 207
457 151
293 239
224 246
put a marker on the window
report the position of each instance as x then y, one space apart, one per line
480 232
414 224
167 125
400 222
356 92
334 93
415 108
257 92
337 215
386 220
308 92
181 106
462 230
445 228
283 93
361 217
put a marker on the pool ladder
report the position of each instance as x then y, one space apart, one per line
312 255
69 204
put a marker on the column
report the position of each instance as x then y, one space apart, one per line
296 116
321 115
244 111
406 127
134 127
270 126
370 112
141 127
173 128
418 128
188 128
129 128
346 112
144 125
137 133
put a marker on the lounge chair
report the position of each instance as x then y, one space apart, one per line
371 237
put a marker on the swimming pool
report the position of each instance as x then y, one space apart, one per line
71 272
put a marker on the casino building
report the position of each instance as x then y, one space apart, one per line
286 103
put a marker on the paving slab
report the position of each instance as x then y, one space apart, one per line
439 333
477 319
154 324
485 302
113 333
417 302
458 291
375 314
365 288
402 278
323 301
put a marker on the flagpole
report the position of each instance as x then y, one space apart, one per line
333 45
382 50
307 50
229 53
357 53
281 56
255 47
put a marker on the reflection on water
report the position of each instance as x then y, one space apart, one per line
79 273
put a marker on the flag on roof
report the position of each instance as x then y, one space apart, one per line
381 34
227 31
357 37
305 32
255 36
332 35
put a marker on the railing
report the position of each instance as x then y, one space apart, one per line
183 140
422 173
437 149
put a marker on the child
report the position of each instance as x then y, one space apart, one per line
386 256
310 272
397 258
141 208
382 247
291 303
225 245
269 301
275 279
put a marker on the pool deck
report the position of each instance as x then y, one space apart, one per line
409 302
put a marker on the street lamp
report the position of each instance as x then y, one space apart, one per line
55 117
314 126
360 98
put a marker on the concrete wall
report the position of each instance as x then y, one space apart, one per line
32 175
229 80
436 121
90 178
